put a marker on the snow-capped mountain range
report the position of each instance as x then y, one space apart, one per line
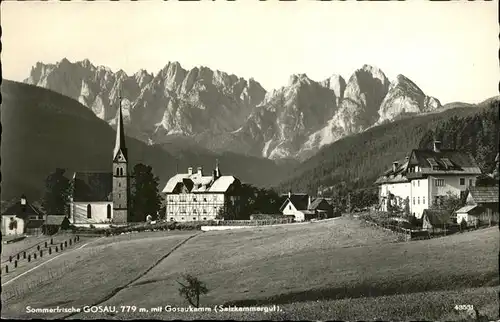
227 113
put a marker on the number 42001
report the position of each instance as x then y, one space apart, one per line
463 307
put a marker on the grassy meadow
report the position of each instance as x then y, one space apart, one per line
337 269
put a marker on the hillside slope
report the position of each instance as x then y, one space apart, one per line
356 161
43 130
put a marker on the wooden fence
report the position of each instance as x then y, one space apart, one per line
32 253
418 234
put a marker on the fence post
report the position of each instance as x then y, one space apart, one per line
57 249
29 258
50 250
6 268
10 258
38 247
18 256
45 244
34 255
65 243
15 264
41 253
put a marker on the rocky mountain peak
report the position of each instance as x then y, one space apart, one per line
224 112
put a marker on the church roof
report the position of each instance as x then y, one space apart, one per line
92 186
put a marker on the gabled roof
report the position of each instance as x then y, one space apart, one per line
22 211
437 217
222 184
54 220
317 202
92 186
466 209
299 201
196 183
391 176
446 161
484 194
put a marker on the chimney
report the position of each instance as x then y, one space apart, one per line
23 200
200 171
395 166
437 146
289 194
309 200
190 170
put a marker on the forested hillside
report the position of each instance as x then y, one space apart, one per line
356 161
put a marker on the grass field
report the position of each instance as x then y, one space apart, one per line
339 269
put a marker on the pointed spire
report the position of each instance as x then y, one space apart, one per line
217 171
120 133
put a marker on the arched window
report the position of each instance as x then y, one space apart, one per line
121 171
109 211
117 171
89 211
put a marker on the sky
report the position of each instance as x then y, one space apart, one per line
449 49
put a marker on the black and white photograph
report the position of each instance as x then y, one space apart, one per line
250 160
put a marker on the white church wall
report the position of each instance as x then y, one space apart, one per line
99 212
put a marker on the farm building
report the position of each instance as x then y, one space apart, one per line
481 208
426 177
22 217
103 197
436 220
197 197
303 207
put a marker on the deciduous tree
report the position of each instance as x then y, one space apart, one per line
145 196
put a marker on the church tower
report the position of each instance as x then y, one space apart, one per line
121 189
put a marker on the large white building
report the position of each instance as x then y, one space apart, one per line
194 197
427 176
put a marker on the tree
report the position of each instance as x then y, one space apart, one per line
406 206
57 194
145 198
450 203
192 290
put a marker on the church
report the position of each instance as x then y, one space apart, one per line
102 198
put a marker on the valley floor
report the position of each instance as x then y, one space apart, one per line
333 270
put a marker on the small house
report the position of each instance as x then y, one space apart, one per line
17 217
303 207
485 200
436 220
54 223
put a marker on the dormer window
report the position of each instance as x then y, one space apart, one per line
434 165
447 163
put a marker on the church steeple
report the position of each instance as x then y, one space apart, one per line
120 133
121 191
